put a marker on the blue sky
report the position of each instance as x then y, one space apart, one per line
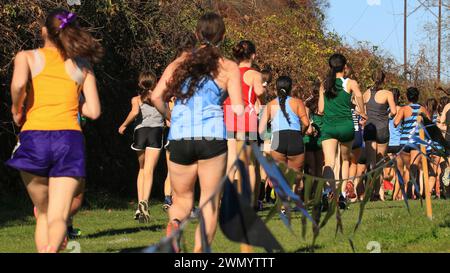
379 22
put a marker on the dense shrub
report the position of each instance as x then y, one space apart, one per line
139 35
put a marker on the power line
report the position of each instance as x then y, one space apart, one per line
359 19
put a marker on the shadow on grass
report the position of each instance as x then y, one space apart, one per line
308 249
112 232
130 250
15 209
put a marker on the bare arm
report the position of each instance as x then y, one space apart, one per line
234 88
321 100
392 105
258 87
161 88
303 115
18 86
399 117
264 119
354 86
91 107
131 116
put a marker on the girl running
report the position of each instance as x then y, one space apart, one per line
408 117
335 104
198 146
245 128
148 140
287 115
376 131
51 153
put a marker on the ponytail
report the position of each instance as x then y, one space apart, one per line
337 64
330 84
71 40
284 88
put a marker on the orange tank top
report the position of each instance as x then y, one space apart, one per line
53 101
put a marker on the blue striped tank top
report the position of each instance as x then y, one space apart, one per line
280 123
200 116
409 125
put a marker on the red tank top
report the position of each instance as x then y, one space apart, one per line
249 121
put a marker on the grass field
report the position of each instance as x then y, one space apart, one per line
112 230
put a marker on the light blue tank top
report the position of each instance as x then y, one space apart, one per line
200 116
394 133
280 123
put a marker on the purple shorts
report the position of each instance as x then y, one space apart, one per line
50 154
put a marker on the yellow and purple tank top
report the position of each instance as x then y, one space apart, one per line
53 101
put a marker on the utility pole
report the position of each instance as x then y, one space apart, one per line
439 43
405 40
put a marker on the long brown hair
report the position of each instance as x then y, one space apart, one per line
71 40
204 62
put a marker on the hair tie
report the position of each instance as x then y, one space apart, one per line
66 18
283 90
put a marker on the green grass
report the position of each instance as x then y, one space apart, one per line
389 224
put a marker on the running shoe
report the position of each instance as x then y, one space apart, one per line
73 233
342 202
137 214
446 177
144 215
167 203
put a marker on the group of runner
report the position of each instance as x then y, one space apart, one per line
199 110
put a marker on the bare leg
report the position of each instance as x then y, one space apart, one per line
183 180
210 174
61 193
346 150
151 159
37 188
329 150
140 179
381 152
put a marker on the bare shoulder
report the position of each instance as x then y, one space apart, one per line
23 55
228 65
135 100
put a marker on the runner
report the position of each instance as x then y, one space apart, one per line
148 140
287 115
198 147
376 131
51 153
338 128
245 128
407 116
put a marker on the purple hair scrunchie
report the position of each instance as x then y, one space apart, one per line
66 18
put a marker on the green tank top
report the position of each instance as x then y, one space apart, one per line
338 109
